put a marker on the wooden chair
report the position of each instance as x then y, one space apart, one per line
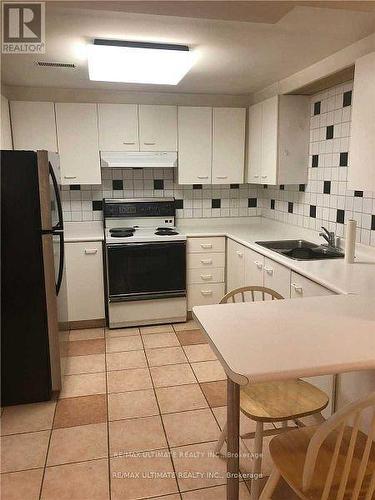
272 402
331 461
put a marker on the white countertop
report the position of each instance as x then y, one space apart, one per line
83 231
335 274
319 333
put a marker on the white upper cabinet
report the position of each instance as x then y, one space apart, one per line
118 127
77 132
194 145
157 128
361 172
5 131
278 140
228 153
33 125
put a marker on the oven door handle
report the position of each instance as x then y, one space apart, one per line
145 244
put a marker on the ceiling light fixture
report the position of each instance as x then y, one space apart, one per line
138 62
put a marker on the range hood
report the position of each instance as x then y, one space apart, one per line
138 159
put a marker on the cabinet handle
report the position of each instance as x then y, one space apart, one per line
297 288
149 143
264 176
91 251
258 264
128 143
206 261
268 270
70 177
206 277
206 292
221 177
206 245
256 176
240 254
202 176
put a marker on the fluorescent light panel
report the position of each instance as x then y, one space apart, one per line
138 62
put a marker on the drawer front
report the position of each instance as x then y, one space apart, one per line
202 295
303 287
203 276
205 260
203 245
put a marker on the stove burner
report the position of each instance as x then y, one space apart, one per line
122 234
165 231
122 230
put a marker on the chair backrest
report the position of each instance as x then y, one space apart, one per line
253 292
337 424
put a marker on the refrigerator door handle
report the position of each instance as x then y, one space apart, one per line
59 225
61 262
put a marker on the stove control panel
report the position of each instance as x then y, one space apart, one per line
142 207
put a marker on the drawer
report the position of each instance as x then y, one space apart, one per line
200 245
202 295
202 276
303 287
205 260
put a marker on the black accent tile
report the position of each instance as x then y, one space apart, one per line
358 194
117 185
340 216
302 188
315 161
216 203
313 211
252 202
329 132
344 159
327 187
235 186
281 187
272 204
179 204
75 187
197 186
265 186
372 222
317 107
97 205
290 207
158 184
347 99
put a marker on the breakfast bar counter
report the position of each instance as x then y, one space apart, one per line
280 340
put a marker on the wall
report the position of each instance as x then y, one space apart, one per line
5 130
325 199
83 203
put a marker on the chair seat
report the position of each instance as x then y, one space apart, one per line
278 401
288 452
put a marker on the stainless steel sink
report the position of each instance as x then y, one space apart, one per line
302 250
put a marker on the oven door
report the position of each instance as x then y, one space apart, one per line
140 271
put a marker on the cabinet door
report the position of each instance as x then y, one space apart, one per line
194 145
254 263
228 145
77 131
303 287
33 125
84 280
277 277
269 140
158 128
254 158
118 127
361 172
5 131
235 265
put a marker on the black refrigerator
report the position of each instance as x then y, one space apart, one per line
33 300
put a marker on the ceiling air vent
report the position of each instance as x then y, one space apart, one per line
55 64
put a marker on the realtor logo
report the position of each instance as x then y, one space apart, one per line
23 28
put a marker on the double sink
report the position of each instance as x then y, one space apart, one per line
302 250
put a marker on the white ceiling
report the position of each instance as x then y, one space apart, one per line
234 57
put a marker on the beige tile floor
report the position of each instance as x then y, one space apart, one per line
138 418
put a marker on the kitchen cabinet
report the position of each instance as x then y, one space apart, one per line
194 145
254 264
157 128
361 171
228 152
118 127
235 265
84 280
77 132
33 125
5 132
278 140
276 277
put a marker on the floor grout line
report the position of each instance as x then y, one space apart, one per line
108 438
47 451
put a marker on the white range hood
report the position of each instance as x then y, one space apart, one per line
138 159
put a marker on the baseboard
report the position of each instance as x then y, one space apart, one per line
87 323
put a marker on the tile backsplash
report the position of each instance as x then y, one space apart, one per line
324 200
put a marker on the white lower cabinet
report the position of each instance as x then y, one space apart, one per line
84 280
235 265
276 277
254 264
203 295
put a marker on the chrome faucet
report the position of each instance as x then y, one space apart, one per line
329 236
